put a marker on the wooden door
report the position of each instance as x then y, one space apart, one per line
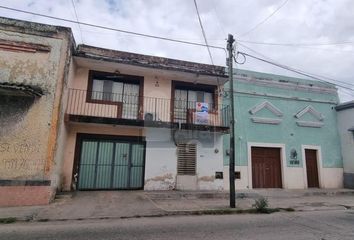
266 167
311 168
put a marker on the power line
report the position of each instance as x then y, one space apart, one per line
264 20
313 74
294 70
296 44
113 29
204 36
77 19
203 31
302 46
217 18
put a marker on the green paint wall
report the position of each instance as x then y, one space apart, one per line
287 132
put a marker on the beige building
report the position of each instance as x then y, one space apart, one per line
132 122
87 118
34 62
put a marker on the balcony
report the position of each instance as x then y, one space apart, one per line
109 108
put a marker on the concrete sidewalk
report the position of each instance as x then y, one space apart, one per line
127 204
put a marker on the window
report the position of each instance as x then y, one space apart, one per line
187 95
192 97
186 159
110 88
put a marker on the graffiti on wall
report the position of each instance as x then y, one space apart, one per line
18 148
19 159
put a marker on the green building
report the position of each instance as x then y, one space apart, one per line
286 133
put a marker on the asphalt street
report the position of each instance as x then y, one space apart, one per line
320 225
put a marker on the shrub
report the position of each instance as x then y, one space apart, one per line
261 205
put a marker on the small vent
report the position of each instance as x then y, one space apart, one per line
186 160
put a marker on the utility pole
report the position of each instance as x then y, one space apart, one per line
230 48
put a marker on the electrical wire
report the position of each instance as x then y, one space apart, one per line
217 18
309 47
171 40
205 38
313 74
113 29
296 44
264 20
244 58
77 19
294 70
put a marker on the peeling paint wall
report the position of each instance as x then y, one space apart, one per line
161 162
28 125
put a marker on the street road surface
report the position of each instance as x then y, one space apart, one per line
319 225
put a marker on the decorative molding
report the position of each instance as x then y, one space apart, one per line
274 121
16 46
310 124
312 111
286 85
268 106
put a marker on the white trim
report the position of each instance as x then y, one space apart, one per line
267 145
310 124
319 163
312 111
267 105
274 121
286 85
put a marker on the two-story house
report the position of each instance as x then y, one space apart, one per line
142 122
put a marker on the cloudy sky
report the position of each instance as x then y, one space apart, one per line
320 32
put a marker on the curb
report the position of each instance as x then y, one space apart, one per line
164 214
227 211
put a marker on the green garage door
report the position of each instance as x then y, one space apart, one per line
107 164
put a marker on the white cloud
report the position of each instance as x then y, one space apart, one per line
301 21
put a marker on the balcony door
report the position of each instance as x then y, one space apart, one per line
185 103
120 90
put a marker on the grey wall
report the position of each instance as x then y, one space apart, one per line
346 121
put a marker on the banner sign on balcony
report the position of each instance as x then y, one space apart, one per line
201 113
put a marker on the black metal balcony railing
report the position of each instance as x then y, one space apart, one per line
143 109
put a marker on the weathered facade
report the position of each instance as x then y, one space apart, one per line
345 115
286 134
33 68
132 123
88 118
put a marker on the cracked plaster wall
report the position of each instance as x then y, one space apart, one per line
28 125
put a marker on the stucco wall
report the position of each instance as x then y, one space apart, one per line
28 141
161 162
346 121
288 133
